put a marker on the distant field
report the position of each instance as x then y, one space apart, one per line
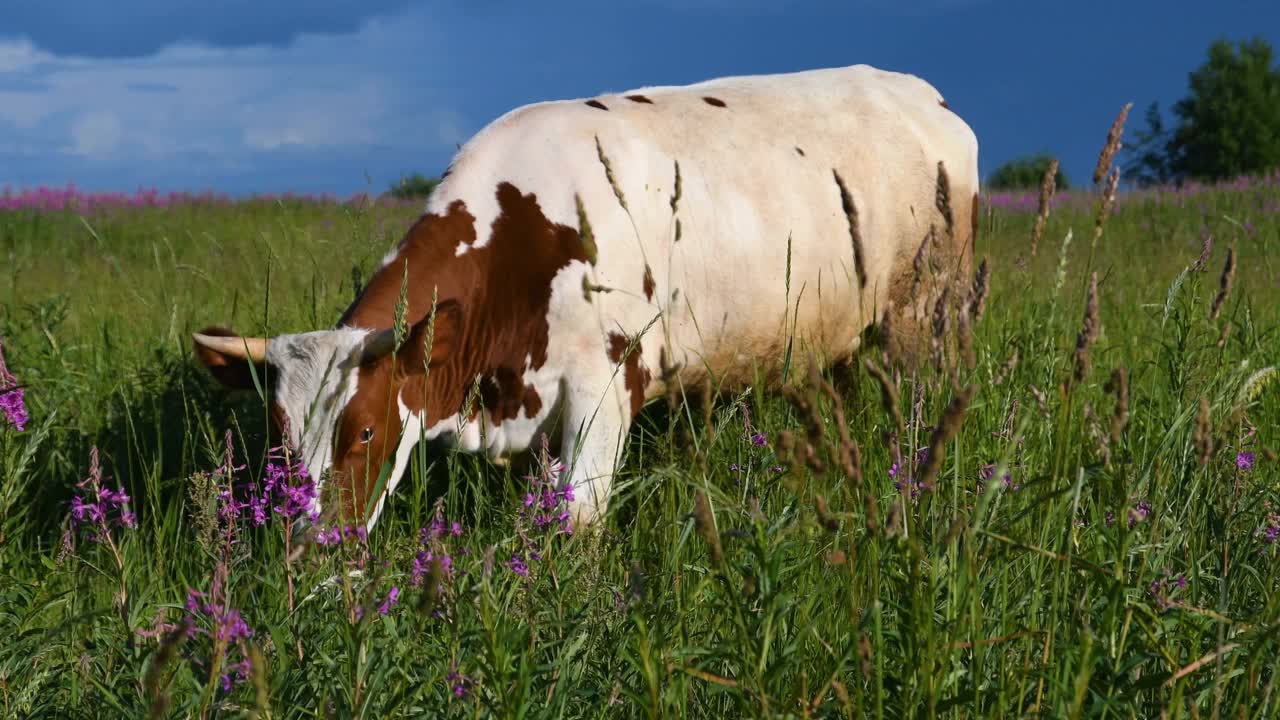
1082 551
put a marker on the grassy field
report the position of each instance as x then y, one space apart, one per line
1089 538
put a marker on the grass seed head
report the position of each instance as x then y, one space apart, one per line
1224 284
1112 145
947 428
1048 185
1089 333
942 199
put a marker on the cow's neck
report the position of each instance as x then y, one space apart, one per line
493 391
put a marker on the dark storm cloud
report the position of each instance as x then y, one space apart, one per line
136 28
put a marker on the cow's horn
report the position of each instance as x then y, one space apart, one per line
243 348
377 345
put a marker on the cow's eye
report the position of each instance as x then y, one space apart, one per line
366 435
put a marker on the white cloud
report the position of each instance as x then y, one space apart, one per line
228 103
95 134
20 54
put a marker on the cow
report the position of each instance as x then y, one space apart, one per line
579 257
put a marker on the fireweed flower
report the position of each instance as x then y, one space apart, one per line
393 597
211 616
902 481
458 682
12 398
547 502
1161 590
100 507
518 566
1139 513
432 548
986 472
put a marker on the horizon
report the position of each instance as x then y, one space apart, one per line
320 98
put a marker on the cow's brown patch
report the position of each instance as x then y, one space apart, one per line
799 151
640 99
714 102
493 305
635 375
648 282
596 104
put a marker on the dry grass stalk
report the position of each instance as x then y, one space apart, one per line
1224 284
1206 249
1042 402
855 234
942 199
1112 145
887 342
848 452
1006 369
947 428
1226 332
920 263
888 394
1119 385
1203 435
978 294
1089 333
676 192
825 518
1106 203
964 335
941 327
864 655
1048 185
705 524
608 174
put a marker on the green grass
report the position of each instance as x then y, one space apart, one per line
826 597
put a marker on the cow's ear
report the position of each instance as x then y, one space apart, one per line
438 336
231 368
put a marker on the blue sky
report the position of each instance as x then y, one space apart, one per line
314 96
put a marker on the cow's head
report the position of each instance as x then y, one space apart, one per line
344 396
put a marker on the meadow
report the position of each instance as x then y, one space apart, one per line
1072 510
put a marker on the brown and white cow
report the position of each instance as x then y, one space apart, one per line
577 247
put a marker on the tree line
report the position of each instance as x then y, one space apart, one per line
1228 125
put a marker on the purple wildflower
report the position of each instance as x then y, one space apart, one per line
12 398
393 597
1244 460
100 506
759 440
518 566
458 682
1139 513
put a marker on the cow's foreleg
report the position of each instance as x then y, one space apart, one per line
595 425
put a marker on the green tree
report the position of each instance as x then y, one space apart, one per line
1025 173
1227 126
413 186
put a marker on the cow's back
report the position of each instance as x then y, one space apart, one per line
701 198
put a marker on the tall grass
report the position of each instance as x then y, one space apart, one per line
1075 516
